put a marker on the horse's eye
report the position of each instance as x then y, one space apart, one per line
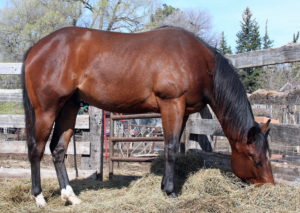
259 163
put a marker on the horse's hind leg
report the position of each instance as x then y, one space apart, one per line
36 146
63 130
172 112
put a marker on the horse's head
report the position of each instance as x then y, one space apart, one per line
250 157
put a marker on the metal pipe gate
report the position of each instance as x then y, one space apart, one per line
113 140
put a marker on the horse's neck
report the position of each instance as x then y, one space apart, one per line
234 127
229 101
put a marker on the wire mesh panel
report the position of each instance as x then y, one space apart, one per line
131 129
134 138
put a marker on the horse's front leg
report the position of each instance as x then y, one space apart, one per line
172 112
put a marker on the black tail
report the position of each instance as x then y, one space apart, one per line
28 108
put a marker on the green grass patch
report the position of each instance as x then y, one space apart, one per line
11 108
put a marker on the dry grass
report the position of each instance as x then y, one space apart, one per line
206 190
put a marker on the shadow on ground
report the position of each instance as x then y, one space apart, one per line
118 182
185 166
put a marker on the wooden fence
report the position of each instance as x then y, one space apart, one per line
90 149
286 54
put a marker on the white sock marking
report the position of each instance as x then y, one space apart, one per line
67 194
40 200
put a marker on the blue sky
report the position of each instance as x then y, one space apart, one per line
283 16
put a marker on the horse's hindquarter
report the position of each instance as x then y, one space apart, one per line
123 72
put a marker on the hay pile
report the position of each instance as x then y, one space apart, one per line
207 190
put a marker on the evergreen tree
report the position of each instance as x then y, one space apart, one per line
163 12
159 15
295 37
248 39
224 48
267 42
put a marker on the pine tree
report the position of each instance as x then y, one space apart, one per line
159 15
295 37
267 42
248 39
224 48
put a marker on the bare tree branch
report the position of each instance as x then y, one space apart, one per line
87 5
113 15
198 22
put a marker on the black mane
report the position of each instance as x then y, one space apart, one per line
231 97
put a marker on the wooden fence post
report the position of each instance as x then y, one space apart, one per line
95 160
204 141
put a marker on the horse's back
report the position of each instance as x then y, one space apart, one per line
117 69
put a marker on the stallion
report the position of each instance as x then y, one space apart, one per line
167 70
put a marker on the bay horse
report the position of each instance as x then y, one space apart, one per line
166 70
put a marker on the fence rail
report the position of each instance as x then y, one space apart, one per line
17 121
286 54
20 147
285 133
10 95
10 68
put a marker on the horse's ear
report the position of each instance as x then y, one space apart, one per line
252 134
267 133
264 127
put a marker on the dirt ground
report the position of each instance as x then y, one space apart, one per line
21 161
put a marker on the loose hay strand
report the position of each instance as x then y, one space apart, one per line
200 190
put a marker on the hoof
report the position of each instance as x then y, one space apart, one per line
172 195
40 200
68 195
74 200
